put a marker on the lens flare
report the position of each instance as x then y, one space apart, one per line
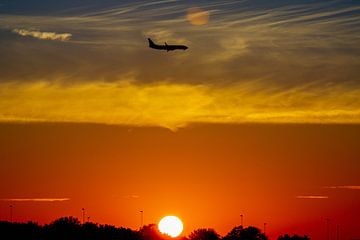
197 16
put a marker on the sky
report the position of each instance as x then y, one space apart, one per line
260 116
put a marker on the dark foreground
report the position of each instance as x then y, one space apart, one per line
69 228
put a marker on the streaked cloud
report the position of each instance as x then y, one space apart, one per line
351 187
173 105
229 48
35 199
312 197
43 35
197 16
264 62
289 43
133 196
161 34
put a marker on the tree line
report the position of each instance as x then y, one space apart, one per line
70 228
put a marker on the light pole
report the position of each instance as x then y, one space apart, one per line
141 218
327 228
83 215
337 232
265 228
242 220
11 213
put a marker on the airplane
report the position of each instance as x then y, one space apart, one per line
166 47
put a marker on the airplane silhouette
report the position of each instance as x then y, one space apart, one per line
166 47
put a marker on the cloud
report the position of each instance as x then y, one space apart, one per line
43 35
229 48
197 16
253 65
292 43
351 187
312 197
35 199
174 105
131 196
160 34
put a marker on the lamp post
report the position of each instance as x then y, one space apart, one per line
83 215
327 228
265 228
242 220
141 218
11 213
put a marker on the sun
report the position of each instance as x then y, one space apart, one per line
171 225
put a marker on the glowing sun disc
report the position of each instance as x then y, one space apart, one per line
171 225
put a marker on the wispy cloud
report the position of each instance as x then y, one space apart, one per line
269 62
35 199
133 196
160 34
351 187
312 197
175 105
43 35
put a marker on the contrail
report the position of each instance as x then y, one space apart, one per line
35 199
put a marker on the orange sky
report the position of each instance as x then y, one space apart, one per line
206 174
260 116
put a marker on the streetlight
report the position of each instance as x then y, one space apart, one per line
11 213
327 228
83 215
265 228
242 220
141 218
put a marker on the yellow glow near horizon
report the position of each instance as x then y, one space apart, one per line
174 105
171 225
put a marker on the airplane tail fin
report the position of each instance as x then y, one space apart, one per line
151 43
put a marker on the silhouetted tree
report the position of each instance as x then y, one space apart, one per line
23 231
70 228
63 228
240 233
294 237
150 232
90 231
204 234
109 232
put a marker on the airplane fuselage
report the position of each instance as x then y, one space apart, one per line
166 46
